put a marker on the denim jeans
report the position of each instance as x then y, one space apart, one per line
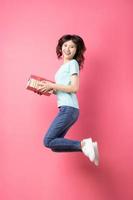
54 138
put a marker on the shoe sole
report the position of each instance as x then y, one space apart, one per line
96 160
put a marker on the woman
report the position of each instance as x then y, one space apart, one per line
71 49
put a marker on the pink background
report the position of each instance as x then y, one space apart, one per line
28 37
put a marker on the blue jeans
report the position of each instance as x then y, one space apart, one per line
54 138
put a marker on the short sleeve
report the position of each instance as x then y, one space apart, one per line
74 67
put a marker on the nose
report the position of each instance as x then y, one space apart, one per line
67 48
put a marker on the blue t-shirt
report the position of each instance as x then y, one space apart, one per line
63 76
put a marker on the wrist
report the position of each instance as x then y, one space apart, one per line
53 86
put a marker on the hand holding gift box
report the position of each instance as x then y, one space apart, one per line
39 85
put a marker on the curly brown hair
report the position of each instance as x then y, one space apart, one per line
79 55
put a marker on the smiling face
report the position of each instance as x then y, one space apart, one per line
68 50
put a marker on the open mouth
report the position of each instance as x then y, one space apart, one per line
67 53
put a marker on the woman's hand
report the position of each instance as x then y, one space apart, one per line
45 86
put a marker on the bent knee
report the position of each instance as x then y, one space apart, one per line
46 142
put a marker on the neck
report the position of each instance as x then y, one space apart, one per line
66 60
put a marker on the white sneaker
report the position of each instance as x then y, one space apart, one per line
96 160
88 149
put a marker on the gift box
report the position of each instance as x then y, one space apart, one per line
33 84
